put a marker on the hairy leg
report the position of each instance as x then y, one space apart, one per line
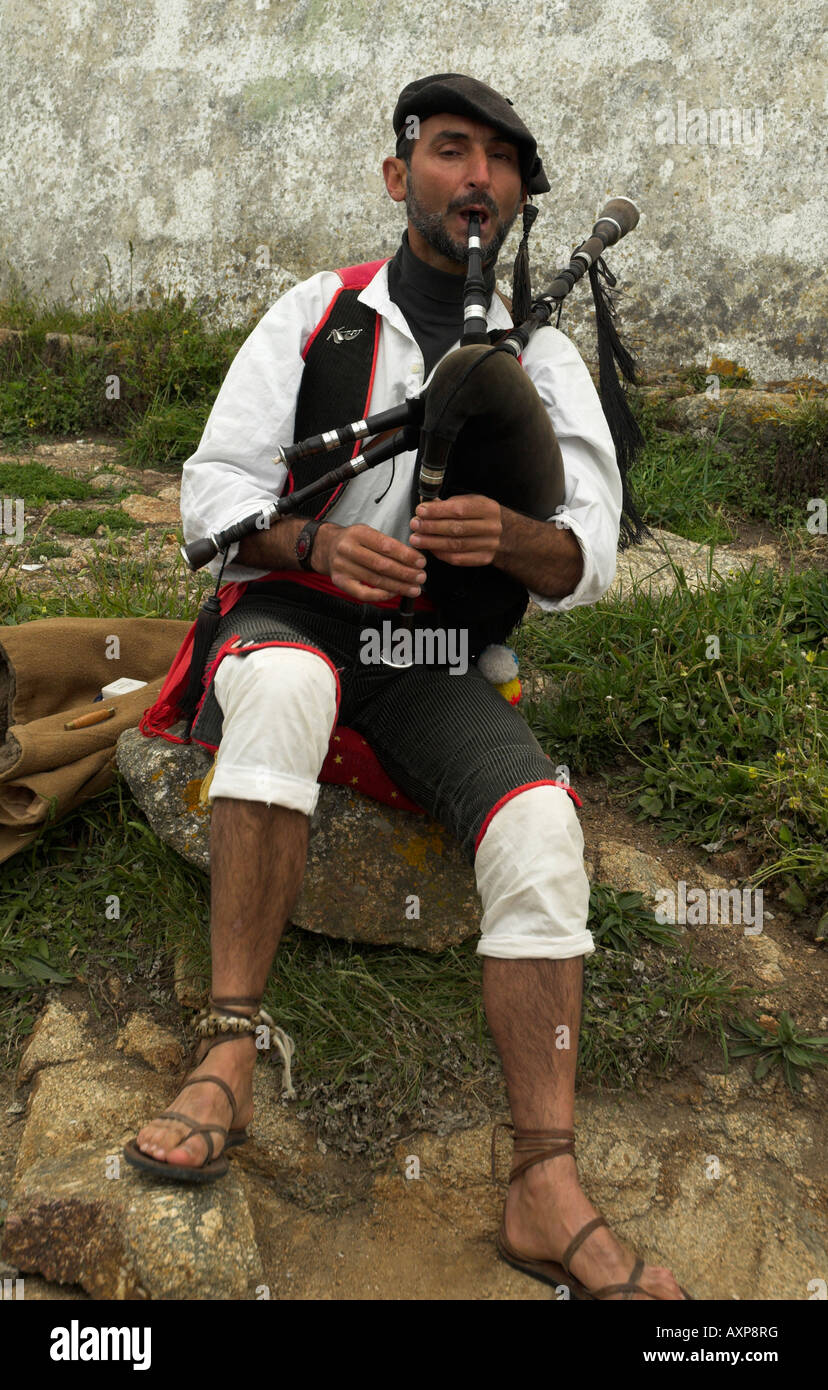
257 860
526 1002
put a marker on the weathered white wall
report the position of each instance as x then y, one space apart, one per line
220 135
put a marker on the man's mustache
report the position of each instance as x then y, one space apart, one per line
476 200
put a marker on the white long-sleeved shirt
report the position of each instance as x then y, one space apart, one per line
232 473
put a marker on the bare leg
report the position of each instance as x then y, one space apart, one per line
525 1002
257 860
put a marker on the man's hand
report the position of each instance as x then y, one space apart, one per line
475 530
461 530
368 564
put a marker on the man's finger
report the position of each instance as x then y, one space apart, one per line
469 526
471 504
467 557
375 564
361 569
386 587
458 545
388 546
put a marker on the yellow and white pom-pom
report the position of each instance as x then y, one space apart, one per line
511 691
499 665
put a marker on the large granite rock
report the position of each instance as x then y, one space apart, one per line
737 414
374 873
79 1214
79 1219
648 567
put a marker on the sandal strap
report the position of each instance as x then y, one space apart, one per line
208 1138
177 1115
197 1080
578 1240
629 1288
198 1129
248 1000
534 1145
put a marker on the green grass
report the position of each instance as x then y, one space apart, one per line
168 364
38 484
728 747
75 521
47 550
701 488
142 584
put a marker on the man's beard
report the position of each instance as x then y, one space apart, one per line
431 225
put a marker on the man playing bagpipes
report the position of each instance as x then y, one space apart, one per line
283 666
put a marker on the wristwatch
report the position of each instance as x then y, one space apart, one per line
304 544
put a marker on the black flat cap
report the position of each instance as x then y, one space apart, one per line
465 96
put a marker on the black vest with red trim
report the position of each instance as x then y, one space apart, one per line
340 358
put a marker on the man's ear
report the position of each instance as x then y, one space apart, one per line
395 173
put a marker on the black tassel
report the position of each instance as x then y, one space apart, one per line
209 616
626 434
521 284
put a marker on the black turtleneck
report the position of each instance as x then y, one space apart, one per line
431 300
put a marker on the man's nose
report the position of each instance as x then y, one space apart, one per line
477 169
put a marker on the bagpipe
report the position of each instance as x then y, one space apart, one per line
479 426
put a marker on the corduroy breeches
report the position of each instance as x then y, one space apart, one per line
449 741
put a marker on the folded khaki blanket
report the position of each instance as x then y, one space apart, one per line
50 672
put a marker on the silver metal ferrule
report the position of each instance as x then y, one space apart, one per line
512 345
614 223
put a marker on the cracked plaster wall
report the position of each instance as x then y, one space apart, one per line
237 144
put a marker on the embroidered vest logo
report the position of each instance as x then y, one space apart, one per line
343 335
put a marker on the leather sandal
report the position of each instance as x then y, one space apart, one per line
535 1146
215 1026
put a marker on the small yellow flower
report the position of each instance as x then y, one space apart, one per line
810 657
780 757
794 803
753 772
666 743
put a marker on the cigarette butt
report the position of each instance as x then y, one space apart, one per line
84 720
